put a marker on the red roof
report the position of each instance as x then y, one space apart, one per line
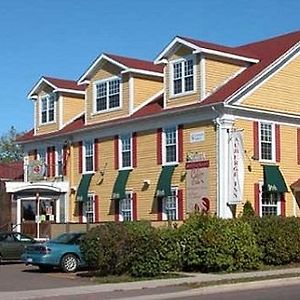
136 63
267 52
11 170
296 184
65 84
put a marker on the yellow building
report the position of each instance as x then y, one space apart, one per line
203 127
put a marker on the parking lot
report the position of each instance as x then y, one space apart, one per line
18 277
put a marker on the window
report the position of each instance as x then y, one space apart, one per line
125 207
170 142
183 76
267 140
270 203
89 209
126 151
88 156
170 206
47 108
107 94
59 161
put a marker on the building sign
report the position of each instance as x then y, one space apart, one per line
236 165
197 186
36 170
196 137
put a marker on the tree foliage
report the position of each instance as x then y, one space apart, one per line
9 150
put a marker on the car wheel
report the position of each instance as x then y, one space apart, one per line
44 268
69 263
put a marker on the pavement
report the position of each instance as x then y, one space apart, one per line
208 281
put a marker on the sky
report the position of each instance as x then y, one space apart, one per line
61 38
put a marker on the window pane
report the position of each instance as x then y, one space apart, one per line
270 203
125 207
266 141
114 93
170 144
171 206
189 83
89 156
114 101
126 151
101 103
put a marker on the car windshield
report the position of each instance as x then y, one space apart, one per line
67 238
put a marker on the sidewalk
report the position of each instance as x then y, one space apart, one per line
193 278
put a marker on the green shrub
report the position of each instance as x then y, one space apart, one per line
248 210
278 239
213 244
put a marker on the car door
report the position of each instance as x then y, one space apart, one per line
7 246
20 242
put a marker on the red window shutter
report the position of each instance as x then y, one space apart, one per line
158 146
116 152
298 145
277 141
256 198
180 143
80 157
96 154
282 205
134 150
159 208
255 140
49 161
80 211
134 206
65 157
53 161
116 210
180 204
97 209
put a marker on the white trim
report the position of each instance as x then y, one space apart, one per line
72 120
84 142
143 72
163 143
273 142
121 218
167 50
69 91
16 186
236 97
226 55
120 137
131 93
149 100
164 213
84 211
202 77
48 97
278 204
35 115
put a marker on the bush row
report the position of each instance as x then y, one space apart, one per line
202 243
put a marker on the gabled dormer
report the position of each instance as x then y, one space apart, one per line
56 103
117 86
195 69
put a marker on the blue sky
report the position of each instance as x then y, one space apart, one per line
60 38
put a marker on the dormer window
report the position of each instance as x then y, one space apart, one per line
107 94
182 76
48 108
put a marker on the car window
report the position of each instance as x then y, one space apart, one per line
67 238
7 237
22 238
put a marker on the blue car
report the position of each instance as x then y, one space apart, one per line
62 252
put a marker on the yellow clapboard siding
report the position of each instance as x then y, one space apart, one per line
144 88
217 72
288 164
181 52
281 92
72 107
106 71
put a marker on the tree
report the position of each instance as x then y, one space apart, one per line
9 150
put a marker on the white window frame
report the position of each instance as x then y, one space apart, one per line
164 145
121 139
273 142
171 79
84 156
278 205
59 154
129 196
48 98
174 191
91 198
106 81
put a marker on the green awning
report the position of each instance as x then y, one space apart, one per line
273 180
163 188
82 191
120 185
